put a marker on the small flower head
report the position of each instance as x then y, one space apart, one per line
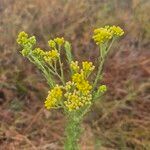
39 53
25 51
101 35
116 31
75 100
26 42
51 43
69 85
102 88
22 38
74 66
59 41
87 67
54 96
78 77
51 55
78 92
84 87
32 40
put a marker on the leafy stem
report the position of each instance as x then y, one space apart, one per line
104 50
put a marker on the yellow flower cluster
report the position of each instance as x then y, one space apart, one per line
69 86
116 31
84 87
51 55
47 56
74 66
27 43
87 67
51 44
54 97
78 77
39 53
59 41
76 97
78 91
24 40
102 88
102 35
81 83
75 100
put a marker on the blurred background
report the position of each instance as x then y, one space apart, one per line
121 121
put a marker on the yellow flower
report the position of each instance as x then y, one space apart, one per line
59 41
116 31
87 67
74 66
102 88
101 35
78 77
84 87
78 92
75 100
22 38
51 55
54 96
39 53
24 41
69 85
51 44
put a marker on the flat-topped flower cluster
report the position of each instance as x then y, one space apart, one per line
79 92
102 35
75 93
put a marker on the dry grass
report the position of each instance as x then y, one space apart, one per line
121 121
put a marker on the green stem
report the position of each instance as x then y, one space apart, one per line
55 65
100 68
110 44
73 131
60 63
54 71
104 52
45 73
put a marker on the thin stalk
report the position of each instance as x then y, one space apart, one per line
100 68
40 66
55 65
60 63
57 74
85 111
102 58
110 44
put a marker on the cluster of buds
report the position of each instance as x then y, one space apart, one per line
102 35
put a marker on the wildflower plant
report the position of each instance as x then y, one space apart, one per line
77 95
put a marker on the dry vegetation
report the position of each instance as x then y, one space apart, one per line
122 120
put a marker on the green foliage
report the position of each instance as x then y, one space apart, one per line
72 131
